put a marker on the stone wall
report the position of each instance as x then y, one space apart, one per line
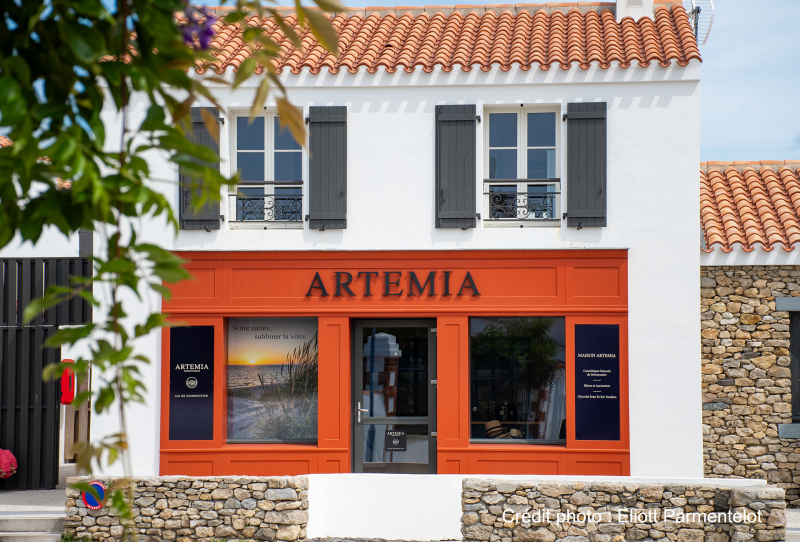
495 511
745 374
187 508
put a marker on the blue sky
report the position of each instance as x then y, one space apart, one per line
750 79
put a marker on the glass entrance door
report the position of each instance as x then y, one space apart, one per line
394 396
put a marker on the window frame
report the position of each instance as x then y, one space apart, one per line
269 115
522 163
516 441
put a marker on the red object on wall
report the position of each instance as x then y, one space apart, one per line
585 287
67 385
8 464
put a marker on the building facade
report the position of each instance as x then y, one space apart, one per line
749 307
461 270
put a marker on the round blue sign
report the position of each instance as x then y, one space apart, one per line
90 501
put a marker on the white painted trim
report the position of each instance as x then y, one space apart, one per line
654 73
737 256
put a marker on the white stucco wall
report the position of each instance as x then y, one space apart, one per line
653 209
52 244
737 256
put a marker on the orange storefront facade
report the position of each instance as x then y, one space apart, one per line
579 287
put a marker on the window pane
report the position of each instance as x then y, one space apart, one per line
541 163
272 379
395 371
502 163
251 165
250 203
288 203
283 138
541 129
517 378
250 136
503 201
288 166
503 130
541 201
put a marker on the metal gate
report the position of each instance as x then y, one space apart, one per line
29 406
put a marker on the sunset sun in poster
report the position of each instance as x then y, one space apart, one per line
258 342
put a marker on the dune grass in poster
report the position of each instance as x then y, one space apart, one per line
272 379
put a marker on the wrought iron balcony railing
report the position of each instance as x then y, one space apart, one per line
267 208
522 205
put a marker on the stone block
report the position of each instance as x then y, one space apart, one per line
241 494
493 498
224 530
777 518
743 496
691 535
554 490
480 532
286 494
580 498
221 494
470 518
204 532
287 517
472 484
651 493
288 532
521 534
770 535
265 533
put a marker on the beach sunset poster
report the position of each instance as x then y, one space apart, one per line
272 379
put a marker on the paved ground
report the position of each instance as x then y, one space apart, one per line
793 525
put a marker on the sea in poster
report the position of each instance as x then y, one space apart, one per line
272 379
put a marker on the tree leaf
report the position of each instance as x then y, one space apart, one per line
261 98
291 117
245 70
211 123
333 6
323 30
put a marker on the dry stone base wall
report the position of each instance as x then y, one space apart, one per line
188 508
616 512
745 374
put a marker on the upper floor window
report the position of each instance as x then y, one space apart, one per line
270 163
521 178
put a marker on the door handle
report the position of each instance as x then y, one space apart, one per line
359 410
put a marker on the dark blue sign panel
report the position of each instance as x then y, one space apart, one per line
191 383
597 414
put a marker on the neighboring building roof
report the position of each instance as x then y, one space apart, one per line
501 35
5 142
751 204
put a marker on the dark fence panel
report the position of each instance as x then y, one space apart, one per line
29 406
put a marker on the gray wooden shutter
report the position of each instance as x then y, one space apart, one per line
586 165
327 184
455 166
206 217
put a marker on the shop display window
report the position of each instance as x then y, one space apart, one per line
272 380
517 380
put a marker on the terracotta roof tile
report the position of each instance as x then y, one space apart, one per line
504 35
752 204
5 142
